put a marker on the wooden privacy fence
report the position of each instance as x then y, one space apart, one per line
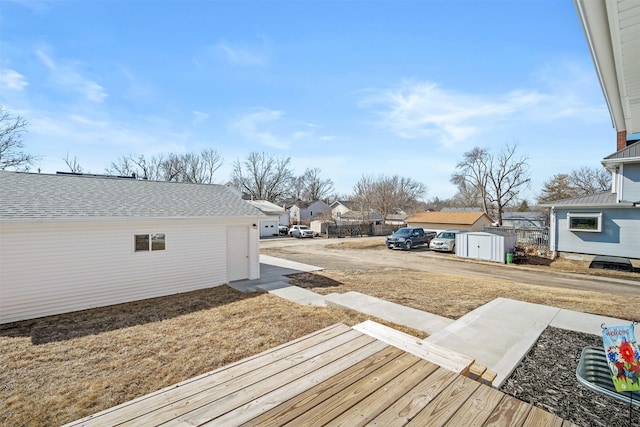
360 230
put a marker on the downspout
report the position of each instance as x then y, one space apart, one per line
552 234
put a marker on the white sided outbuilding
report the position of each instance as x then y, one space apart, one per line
485 246
72 242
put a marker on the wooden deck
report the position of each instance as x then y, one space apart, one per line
336 376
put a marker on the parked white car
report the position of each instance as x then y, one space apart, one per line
300 231
445 241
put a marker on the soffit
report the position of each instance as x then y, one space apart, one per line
612 30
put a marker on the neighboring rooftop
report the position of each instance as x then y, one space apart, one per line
466 218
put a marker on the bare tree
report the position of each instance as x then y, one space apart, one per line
263 176
472 178
467 195
188 167
73 164
579 182
314 187
507 176
363 192
590 180
11 154
496 178
139 167
386 195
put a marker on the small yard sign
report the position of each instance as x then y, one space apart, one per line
623 357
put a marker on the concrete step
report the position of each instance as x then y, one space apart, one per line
392 312
498 334
292 293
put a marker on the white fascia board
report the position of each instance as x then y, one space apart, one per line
595 23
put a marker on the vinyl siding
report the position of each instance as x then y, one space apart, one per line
55 267
631 182
620 235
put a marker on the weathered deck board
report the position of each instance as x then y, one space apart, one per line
314 396
410 404
363 412
340 402
510 411
373 354
335 377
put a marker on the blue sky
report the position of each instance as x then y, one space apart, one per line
351 87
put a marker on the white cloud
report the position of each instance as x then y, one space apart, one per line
12 80
272 128
199 117
67 76
424 109
258 126
242 55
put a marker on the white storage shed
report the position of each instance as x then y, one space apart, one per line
74 242
485 246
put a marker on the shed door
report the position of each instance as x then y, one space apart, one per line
238 253
479 247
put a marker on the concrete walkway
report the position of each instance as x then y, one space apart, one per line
498 334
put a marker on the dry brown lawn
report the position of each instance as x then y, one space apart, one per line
58 369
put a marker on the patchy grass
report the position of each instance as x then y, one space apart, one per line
559 264
453 296
58 369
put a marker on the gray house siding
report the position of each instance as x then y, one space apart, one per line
620 235
631 182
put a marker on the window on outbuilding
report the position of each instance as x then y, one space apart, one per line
142 242
157 242
146 242
589 222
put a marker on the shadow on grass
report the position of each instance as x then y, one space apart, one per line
311 280
68 326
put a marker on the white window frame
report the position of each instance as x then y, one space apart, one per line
151 238
596 215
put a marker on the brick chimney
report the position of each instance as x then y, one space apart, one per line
621 140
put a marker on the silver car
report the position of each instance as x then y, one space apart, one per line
445 241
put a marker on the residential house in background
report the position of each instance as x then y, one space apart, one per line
524 219
606 223
439 221
306 212
72 242
340 207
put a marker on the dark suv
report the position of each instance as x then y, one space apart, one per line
409 237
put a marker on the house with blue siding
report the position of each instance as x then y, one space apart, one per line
608 223
605 223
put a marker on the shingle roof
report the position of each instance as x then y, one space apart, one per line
606 198
465 218
267 207
44 196
631 151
